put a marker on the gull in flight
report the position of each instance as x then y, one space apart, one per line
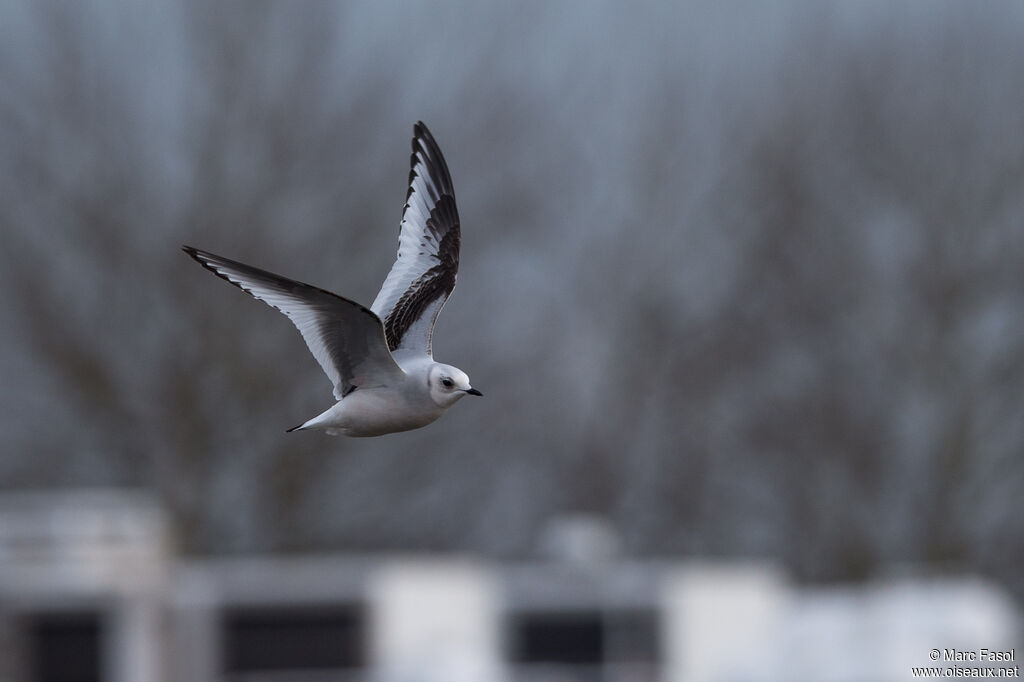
379 358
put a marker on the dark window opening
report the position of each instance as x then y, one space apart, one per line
64 647
575 638
584 638
293 638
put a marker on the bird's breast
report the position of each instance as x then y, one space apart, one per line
374 412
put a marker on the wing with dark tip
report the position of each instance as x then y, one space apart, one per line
346 338
428 251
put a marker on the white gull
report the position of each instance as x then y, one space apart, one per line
379 358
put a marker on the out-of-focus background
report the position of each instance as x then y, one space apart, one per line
743 284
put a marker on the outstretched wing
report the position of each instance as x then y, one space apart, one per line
428 251
344 337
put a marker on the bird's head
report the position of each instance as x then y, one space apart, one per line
448 384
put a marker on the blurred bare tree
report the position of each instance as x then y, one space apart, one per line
752 294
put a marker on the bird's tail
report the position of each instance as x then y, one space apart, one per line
322 421
308 424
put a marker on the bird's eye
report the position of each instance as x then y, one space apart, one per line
448 383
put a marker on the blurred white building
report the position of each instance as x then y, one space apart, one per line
90 591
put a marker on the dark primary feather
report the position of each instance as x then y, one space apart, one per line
437 167
424 274
434 284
